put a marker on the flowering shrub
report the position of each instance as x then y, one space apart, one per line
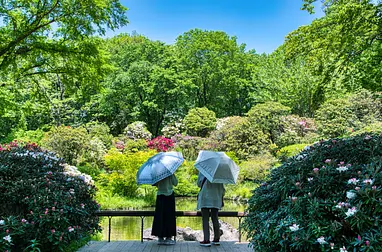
160 143
43 205
137 130
295 129
326 197
173 129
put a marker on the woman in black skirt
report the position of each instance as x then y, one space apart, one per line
164 225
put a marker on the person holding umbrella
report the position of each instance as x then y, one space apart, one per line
215 170
164 224
159 171
210 201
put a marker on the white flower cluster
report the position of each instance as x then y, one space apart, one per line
343 249
301 157
321 240
342 205
33 154
351 211
72 171
353 181
350 195
7 238
342 168
294 228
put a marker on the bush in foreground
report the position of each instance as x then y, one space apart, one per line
43 204
326 197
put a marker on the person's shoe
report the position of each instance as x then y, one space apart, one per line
169 242
216 242
161 241
205 243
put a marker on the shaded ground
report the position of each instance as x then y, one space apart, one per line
151 246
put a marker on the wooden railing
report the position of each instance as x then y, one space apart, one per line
143 214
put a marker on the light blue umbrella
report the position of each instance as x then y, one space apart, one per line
217 167
158 167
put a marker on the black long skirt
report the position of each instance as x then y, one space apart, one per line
164 224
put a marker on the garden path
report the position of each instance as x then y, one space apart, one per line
151 246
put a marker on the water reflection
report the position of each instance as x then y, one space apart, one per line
129 228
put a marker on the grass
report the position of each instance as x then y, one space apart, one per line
113 202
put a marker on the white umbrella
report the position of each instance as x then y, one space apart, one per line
217 167
158 167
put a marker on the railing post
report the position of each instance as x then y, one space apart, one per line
142 218
239 229
108 239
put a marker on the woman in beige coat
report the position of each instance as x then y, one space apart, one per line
210 201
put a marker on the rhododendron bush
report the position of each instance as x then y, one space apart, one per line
326 197
44 204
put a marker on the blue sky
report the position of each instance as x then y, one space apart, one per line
260 24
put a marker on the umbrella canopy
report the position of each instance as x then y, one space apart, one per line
217 167
158 167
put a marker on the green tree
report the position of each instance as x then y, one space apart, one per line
146 85
344 46
36 34
218 68
290 83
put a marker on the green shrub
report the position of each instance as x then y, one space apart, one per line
241 191
187 176
327 197
137 130
267 116
89 169
370 128
290 151
190 146
100 131
241 137
42 203
295 129
135 145
200 122
33 136
69 143
339 117
257 168
123 168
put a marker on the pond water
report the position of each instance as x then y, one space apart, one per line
128 228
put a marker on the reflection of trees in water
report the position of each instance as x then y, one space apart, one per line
129 228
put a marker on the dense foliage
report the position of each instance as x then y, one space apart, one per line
326 197
43 204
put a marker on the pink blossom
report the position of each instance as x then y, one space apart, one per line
53 231
367 243
316 170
